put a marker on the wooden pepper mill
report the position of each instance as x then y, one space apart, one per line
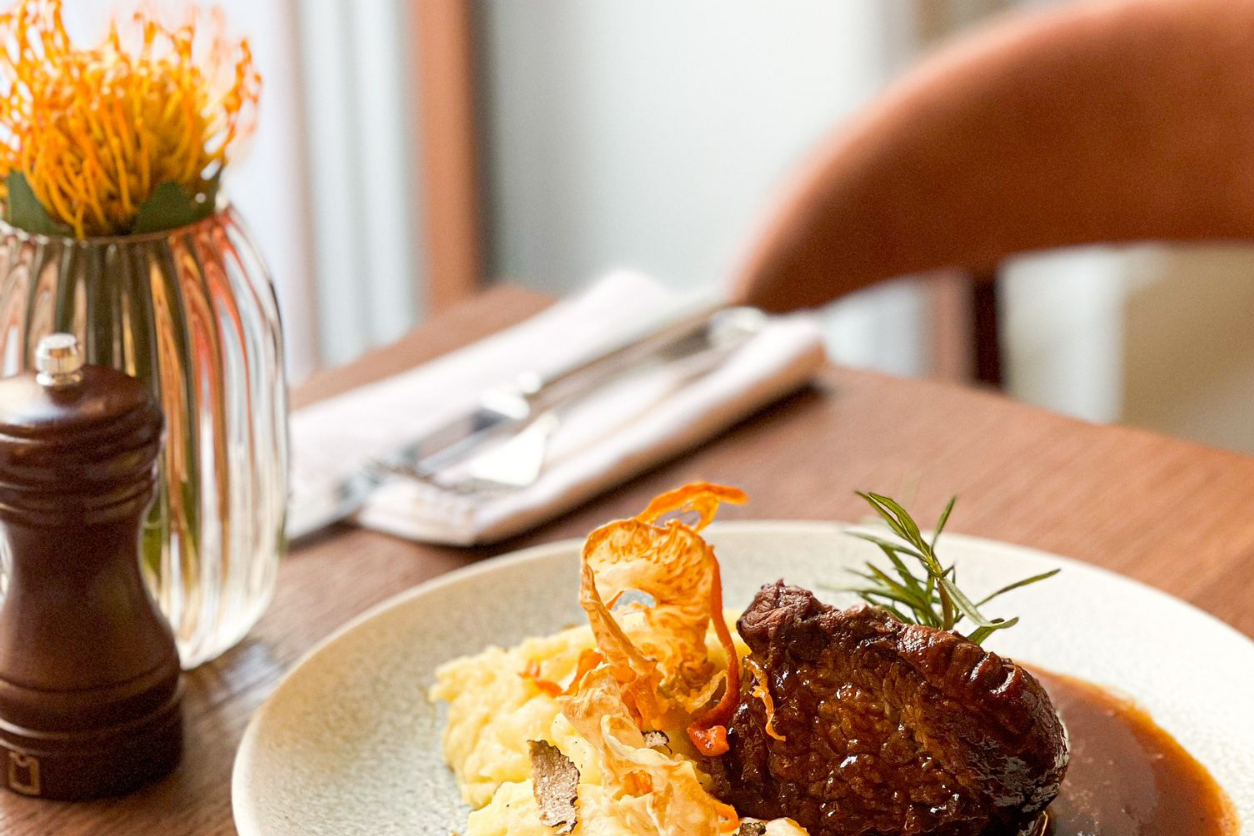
89 673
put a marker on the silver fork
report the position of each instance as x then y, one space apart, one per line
513 464
517 461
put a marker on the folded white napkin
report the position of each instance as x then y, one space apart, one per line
601 441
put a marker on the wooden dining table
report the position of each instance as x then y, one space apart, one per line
1175 515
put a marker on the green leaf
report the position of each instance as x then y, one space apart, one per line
978 636
906 593
900 548
964 604
24 211
904 573
884 514
1017 584
897 614
210 194
944 518
893 552
170 207
902 518
874 592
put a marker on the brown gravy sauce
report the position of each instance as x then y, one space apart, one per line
1127 776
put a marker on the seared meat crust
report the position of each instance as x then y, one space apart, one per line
890 729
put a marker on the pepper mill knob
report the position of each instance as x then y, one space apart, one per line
58 360
90 696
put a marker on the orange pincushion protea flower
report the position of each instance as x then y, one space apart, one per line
95 131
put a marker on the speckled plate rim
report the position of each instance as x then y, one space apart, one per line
249 793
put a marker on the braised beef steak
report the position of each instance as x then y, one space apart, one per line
889 729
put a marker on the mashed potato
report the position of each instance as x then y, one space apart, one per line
493 712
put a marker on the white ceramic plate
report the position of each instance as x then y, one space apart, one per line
348 743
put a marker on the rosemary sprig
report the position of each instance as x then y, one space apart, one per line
934 599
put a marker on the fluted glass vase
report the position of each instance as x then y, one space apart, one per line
192 313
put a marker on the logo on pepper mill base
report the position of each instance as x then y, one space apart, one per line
23 773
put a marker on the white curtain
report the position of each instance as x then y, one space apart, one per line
364 187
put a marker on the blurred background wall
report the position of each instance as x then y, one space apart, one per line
651 134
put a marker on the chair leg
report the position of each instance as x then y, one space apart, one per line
985 336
